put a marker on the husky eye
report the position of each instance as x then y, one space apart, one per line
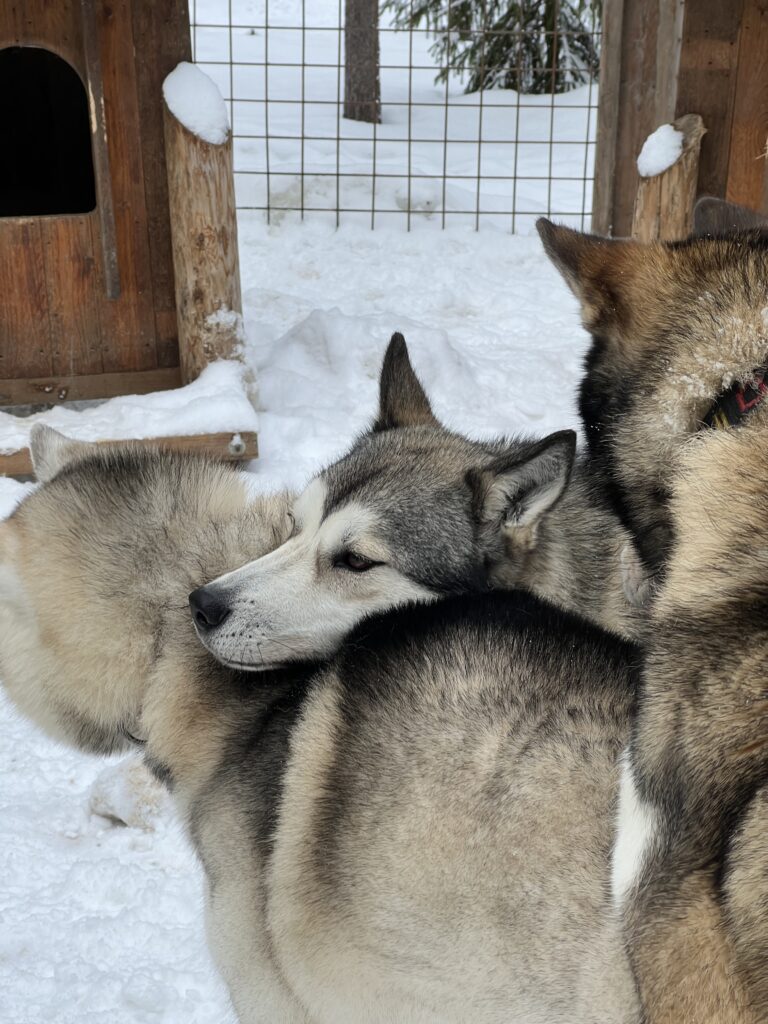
356 563
291 522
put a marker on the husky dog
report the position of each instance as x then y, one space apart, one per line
416 830
414 511
674 412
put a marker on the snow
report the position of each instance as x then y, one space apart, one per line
101 922
216 402
194 99
534 154
660 150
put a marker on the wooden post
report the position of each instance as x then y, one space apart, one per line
664 203
201 192
362 92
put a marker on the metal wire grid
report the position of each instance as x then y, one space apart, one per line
296 156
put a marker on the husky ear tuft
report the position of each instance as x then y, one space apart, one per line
516 491
718 217
597 270
51 451
402 399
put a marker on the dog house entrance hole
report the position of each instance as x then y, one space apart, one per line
45 136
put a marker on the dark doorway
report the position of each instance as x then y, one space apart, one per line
45 136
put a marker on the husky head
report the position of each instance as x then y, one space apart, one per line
95 567
412 512
680 332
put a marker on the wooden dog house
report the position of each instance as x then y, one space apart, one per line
86 272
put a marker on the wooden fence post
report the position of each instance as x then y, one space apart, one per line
664 203
201 194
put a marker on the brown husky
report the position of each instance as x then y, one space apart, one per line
673 407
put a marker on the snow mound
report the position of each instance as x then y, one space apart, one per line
217 402
660 150
194 99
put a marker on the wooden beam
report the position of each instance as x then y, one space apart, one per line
707 82
54 390
227 447
749 129
638 75
607 116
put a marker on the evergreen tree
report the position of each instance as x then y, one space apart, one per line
534 46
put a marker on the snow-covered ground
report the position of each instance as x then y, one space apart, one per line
101 923
438 154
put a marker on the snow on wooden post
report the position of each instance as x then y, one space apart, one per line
669 171
198 149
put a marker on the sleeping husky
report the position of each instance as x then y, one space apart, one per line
674 412
414 826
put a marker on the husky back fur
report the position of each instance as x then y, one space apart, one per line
418 830
677 329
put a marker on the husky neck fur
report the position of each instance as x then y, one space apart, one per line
414 512
417 831
675 326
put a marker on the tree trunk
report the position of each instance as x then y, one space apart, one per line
362 97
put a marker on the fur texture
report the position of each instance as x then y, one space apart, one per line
674 326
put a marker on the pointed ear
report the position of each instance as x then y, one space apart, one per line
516 491
51 451
599 271
712 217
402 400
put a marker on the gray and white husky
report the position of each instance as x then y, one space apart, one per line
415 511
407 814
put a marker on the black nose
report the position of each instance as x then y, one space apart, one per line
208 610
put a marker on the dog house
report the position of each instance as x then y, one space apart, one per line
86 269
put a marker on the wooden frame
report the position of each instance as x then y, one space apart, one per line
663 59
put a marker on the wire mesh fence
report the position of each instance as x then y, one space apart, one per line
438 156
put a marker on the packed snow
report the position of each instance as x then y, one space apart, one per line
101 897
194 100
660 151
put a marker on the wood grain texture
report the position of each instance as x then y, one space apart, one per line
226 447
25 330
162 39
72 291
201 193
129 329
664 203
745 183
607 116
707 82
51 390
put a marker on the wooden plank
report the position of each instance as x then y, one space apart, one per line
707 82
50 390
641 109
607 116
72 295
128 322
99 145
54 26
25 330
228 447
162 38
749 129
